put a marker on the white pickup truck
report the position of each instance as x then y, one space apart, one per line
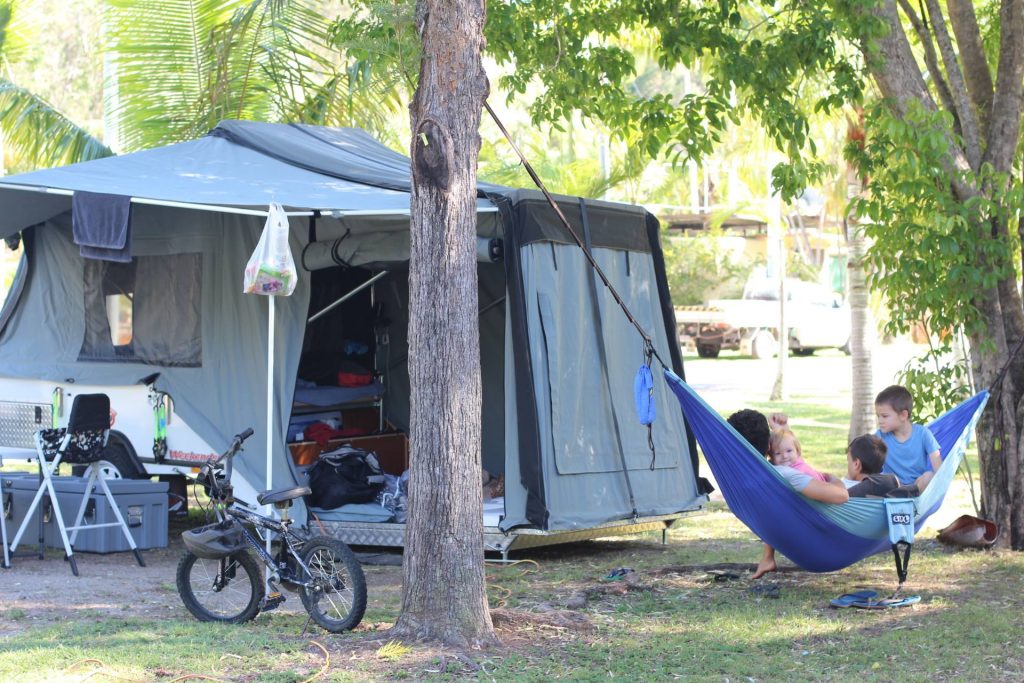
815 317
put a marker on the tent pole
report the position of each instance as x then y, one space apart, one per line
158 202
270 418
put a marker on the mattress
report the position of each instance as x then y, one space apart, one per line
331 396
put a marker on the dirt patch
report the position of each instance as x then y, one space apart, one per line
512 621
38 591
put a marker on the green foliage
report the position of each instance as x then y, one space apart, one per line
181 66
757 60
35 133
936 386
41 135
931 250
698 265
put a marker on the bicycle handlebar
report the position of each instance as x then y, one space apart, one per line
213 463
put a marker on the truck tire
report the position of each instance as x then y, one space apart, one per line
117 463
708 350
764 345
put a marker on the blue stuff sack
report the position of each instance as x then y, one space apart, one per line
643 392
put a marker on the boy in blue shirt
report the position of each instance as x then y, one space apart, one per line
913 453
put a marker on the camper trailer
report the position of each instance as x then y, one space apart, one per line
164 328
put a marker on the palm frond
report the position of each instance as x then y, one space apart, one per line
183 65
161 58
40 136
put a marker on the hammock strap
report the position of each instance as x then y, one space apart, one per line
648 355
579 242
901 562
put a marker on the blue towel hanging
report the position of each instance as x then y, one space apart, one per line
816 536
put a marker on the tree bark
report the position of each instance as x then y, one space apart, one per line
931 59
958 88
444 594
976 71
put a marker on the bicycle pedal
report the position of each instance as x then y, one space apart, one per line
272 601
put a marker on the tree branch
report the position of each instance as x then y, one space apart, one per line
968 119
1004 128
898 76
976 71
931 60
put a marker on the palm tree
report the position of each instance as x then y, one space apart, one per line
36 134
181 66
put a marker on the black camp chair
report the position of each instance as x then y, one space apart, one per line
81 443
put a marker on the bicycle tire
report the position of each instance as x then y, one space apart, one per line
337 601
241 602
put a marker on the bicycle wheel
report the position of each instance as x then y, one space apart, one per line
228 590
337 599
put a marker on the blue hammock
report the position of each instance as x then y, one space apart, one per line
820 537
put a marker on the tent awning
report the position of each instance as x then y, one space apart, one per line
219 172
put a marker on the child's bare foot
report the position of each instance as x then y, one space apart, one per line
765 566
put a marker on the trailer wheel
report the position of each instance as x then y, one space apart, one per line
708 350
764 345
116 464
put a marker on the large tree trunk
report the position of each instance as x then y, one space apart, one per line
862 335
444 594
899 77
999 431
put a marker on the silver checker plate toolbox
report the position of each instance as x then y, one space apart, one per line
20 421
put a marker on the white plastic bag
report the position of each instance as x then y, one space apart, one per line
271 268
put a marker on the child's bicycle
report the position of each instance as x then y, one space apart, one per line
219 579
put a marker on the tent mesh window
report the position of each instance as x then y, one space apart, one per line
145 311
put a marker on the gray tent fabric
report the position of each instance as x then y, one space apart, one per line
557 420
346 153
579 412
217 400
210 170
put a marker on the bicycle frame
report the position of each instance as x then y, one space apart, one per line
225 505
258 543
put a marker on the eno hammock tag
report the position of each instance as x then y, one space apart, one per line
643 392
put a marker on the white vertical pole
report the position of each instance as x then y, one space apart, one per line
269 431
270 391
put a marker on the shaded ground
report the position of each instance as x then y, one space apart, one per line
114 585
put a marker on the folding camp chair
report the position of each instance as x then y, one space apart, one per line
81 443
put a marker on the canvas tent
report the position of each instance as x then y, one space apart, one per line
557 355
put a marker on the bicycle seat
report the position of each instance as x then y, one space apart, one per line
282 495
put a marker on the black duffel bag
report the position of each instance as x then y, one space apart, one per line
344 475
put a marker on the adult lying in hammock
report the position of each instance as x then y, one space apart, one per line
865 458
816 536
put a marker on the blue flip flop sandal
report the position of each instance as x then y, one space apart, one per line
847 599
888 603
617 573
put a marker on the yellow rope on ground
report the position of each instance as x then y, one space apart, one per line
503 600
101 671
502 563
326 666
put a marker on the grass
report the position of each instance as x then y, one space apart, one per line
666 626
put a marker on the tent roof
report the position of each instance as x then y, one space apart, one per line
238 164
